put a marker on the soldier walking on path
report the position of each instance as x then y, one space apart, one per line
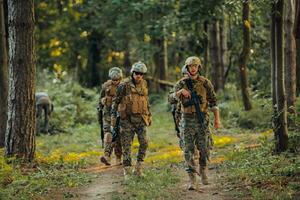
131 106
196 94
107 94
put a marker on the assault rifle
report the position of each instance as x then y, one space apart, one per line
116 129
181 141
195 100
100 119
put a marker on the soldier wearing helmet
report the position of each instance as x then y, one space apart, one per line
194 132
132 106
107 94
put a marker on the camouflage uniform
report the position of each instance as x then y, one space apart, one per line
195 133
43 103
107 93
132 105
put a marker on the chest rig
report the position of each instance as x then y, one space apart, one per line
200 89
135 101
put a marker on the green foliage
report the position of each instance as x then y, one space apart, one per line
73 104
263 175
233 113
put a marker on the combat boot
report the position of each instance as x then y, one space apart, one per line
118 161
105 160
138 169
203 173
127 172
192 181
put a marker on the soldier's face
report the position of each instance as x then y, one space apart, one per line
138 76
193 69
116 81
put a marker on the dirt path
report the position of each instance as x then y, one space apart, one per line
108 182
213 191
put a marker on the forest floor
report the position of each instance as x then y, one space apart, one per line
109 182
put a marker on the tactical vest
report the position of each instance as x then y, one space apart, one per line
199 88
135 100
110 93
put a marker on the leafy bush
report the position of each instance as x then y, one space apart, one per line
73 104
233 113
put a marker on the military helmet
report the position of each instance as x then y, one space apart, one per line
139 67
184 70
193 60
115 73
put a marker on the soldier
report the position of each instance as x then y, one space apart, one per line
107 94
176 111
195 130
131 105
43 103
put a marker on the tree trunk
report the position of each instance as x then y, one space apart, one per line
165 57
298 65
159 71
244 57
20 131
297 35
214 43
206 50
224 49
93 73
280 128
3 76
127 61
290 56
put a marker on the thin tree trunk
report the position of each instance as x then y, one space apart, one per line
3 76
244 57
206 50
281 126
127 61
20 131
165 54
214 46
297 36
93 73
298 65
290 56
159 70
224 48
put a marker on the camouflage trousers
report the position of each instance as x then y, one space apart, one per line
195 136
110 146
128 128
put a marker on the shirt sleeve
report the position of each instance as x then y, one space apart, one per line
120 93
211 95
102 94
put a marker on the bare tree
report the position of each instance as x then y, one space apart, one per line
224 48
290 55
280 114
297 35
20 131
214 46
3 76
244 57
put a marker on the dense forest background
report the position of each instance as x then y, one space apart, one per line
250 50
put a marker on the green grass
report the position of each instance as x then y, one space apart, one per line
152 186
75 145
261 174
